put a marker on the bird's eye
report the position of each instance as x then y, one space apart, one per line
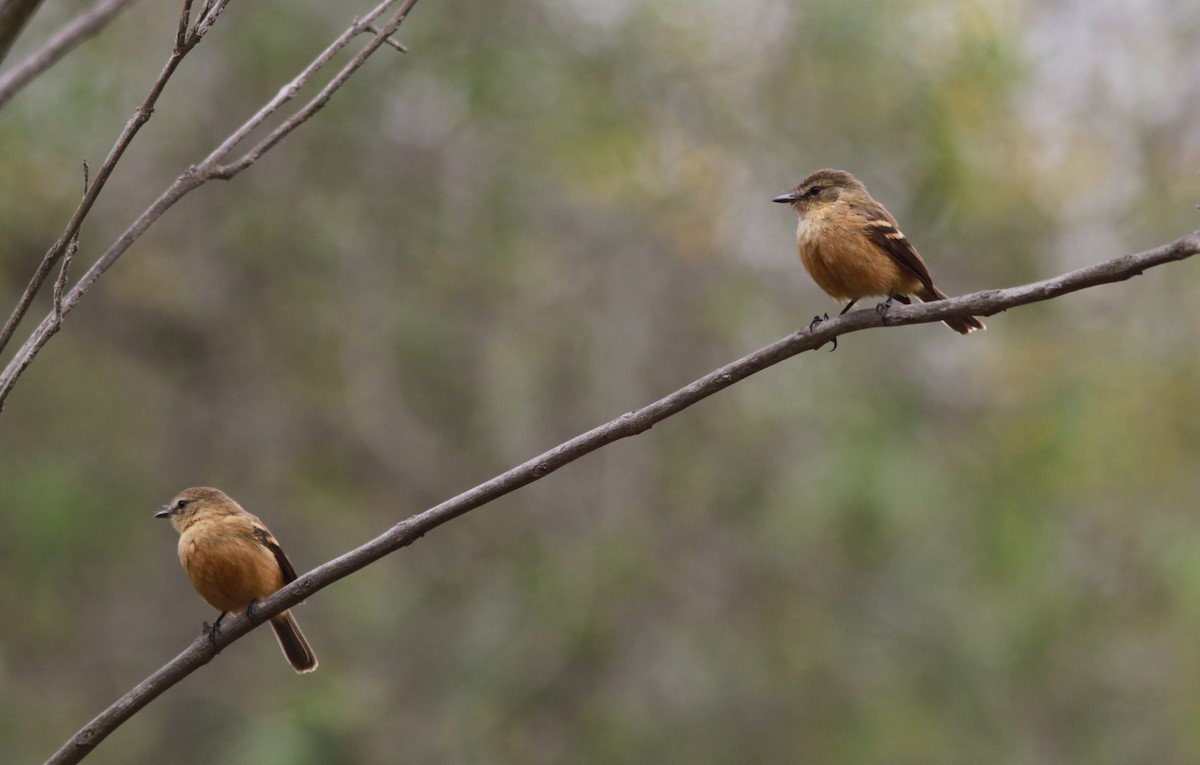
814 191
182 504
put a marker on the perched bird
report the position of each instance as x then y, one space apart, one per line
233 562
852 248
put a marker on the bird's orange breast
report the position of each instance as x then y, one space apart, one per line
844 263
228 569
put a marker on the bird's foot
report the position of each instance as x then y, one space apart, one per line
883 307
250 611
813 325
214 629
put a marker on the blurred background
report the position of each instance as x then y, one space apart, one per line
922 548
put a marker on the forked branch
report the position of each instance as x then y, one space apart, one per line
185 41
187 37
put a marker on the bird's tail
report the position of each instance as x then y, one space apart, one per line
295 647
962 325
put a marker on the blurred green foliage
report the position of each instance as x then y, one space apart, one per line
920 549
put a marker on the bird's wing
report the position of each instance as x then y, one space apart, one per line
265 538
882 230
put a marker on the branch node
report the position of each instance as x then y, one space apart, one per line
60 284
181 34
370 28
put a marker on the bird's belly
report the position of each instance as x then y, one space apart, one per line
846 272
228 573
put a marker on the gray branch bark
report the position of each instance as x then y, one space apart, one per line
986 303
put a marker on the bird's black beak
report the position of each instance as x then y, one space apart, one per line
787 198
163 512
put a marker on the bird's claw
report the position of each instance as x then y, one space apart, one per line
883 307
817 320
250 610
214 629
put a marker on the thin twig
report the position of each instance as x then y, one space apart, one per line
207 17
210 164
60 283
317 102
63 42
140 117
185 18
209 169
985 303
394 43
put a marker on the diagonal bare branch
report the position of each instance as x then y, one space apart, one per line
406 532
140 117
194 177
211 164
63 42
60 284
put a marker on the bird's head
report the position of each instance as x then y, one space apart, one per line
822 188
194 502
